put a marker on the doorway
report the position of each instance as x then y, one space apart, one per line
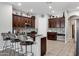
73 31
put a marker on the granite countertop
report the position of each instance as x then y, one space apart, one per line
60 31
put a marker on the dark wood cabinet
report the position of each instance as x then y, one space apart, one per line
52 35
33 21
43 46
52 23
14 20
19 21
56 22
62 22
49 23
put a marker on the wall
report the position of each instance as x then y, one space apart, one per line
67 23
42 24
66 26
5 20
71 22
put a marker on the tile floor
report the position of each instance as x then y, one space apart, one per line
9 52
60 48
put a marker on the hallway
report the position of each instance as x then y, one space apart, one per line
59 48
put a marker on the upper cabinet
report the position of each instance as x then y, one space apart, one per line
62 22
19 21
56 22
33 21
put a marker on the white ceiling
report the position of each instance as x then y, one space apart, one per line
42 7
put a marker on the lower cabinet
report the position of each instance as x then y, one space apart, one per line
52 35
43 46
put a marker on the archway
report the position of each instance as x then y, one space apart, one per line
73 32
72 26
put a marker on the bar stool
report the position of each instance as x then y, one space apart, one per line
25 43
16 41
6 38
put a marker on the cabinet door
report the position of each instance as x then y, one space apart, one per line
15 21
33 23
19 21
29 21
49 23
62 22
43 46
53 23
57 23
22 22
26 20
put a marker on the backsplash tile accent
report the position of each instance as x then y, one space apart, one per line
58 30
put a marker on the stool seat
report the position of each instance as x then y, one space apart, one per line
15 40
6 39
26 42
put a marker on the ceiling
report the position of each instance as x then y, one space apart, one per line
42 7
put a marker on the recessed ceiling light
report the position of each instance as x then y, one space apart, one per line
19 4
53 11
77 7
50 7
31 10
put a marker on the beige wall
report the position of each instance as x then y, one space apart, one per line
71 22
68 24
5 20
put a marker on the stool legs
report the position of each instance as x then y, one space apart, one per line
4 46
21 49
16 48
31 50
11 46
25 50
10 49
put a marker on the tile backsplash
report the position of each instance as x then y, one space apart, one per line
25 30
58 30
